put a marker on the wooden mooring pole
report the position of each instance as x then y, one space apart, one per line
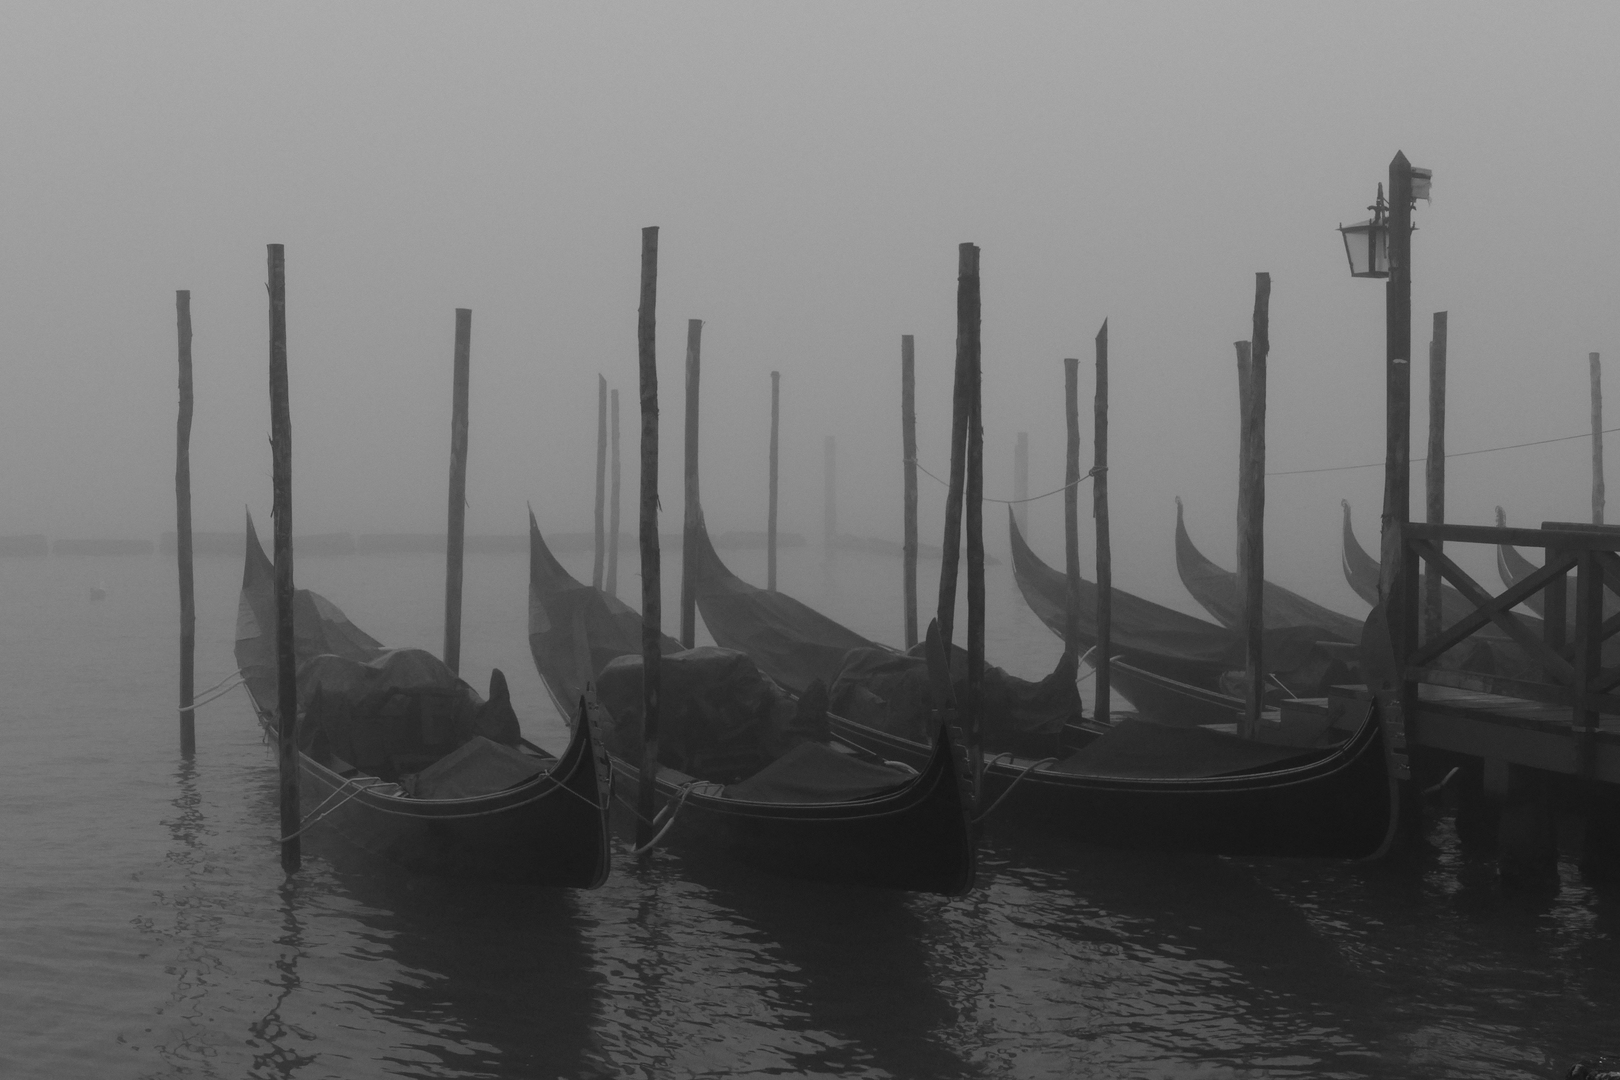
1071 508
770 515
651 601
281 506
829 496
599 565
1597 438
1099 511
908 452
182 530
1252 513
456 534
612 581
1021 482
967 264
967 328
1434 473
693 516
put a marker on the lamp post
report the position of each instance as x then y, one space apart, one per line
1381 247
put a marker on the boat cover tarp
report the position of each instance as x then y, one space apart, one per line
1285 612
812 772
1142 749
478 766
889 691
719 719
396 714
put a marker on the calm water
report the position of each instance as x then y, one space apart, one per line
146 930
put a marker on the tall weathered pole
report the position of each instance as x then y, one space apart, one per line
770 516
967 268
1099 511
599 565
182 530
281 507
1435 470
457 529
1021 482
1252 515
1392 584
651 601
612 584
829 491
1597 438
908 454
967 330
692 520
1071 509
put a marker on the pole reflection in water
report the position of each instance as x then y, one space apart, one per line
275 1038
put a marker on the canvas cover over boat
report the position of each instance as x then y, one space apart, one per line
889 691
719 719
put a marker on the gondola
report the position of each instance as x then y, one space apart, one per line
1141 784
1285 612
907 828
798 646
549 828
1167 664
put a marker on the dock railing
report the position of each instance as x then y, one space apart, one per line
1564 662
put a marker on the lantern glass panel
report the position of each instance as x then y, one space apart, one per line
1366 244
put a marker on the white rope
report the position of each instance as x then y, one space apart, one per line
670 810
1031 767
209 699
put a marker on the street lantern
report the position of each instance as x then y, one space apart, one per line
1366 243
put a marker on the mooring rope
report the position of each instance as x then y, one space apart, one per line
213 694
1012 502
667 816
1031 767
1459 453
316 815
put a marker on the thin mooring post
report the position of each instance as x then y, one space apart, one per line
599 565
967 265
908 452
1597 438
612 585
281 505
694 513
651 606
456 533
1434 473
1252 515
1021 482
182 530
829 491
967 329
1071 508
770 515
1099 511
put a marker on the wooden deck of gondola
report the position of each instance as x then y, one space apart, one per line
1493 727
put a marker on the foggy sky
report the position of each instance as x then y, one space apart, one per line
812 168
